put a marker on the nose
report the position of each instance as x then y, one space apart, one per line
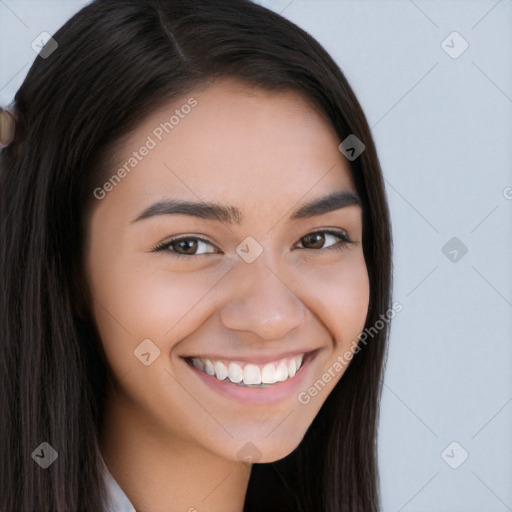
262 302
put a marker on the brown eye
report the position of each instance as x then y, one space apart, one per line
317 239
185 246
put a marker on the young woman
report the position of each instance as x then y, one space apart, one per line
195 241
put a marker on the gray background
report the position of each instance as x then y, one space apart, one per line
443 129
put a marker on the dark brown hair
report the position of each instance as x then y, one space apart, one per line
116 61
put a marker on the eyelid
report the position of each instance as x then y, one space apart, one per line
342 235
166 243
332 231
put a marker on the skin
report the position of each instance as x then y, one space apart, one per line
169 440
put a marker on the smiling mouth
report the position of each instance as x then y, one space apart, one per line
248 374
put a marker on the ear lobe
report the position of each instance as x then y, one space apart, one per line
7 125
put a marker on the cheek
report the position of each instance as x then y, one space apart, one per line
341 304
352 301
133 302
340 296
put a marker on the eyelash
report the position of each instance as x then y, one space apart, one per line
344 241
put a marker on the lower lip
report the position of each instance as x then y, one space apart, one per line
268 395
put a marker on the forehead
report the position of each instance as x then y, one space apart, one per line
232 141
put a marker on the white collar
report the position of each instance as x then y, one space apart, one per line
118 501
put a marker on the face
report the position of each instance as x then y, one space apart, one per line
217 339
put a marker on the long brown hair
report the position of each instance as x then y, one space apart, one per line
116 61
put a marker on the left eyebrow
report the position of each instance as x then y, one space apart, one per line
326 204
228 214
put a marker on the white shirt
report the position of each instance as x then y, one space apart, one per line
118 501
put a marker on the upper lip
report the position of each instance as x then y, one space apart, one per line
254 358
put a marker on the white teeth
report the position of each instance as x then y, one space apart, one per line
268 374
292 368
221 371
281 372
235 373
250 374
209 369
198 363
